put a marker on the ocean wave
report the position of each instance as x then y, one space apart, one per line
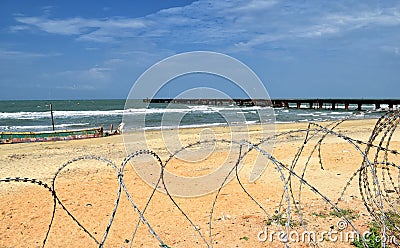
130 111
59 114
194 125
307 114
42 127
186 126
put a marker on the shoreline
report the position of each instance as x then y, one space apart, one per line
251 126
73 115
112 147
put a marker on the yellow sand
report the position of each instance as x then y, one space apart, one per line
88 190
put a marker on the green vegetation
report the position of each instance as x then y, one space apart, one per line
373 240
281 220
392 220
320 214
244 238
348 213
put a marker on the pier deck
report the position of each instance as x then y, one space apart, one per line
282 102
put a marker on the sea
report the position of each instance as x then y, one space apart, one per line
35 115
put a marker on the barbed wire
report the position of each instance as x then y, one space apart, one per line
379 191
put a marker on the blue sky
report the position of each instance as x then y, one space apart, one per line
97 49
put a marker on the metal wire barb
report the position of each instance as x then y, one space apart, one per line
378 179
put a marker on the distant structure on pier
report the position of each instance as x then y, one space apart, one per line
284 103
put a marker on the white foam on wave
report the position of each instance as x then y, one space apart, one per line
198 125
307 114
131 111
340 113
59 114
88 113
42 127
186 126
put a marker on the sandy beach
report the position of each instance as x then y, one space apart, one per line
88 190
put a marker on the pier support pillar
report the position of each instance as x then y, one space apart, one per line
298 105
390 106
333 106
346 106
320 105
286 104
359 106
377 105
311 105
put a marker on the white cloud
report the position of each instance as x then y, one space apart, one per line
391 49
253 6
232 25
201 21
100 30
12 54
388 17
325 22
18 28
113 61
71 26
47 9
317 31
258 40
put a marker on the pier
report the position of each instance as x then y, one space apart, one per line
333 104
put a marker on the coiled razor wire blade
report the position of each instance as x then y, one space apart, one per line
382 206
